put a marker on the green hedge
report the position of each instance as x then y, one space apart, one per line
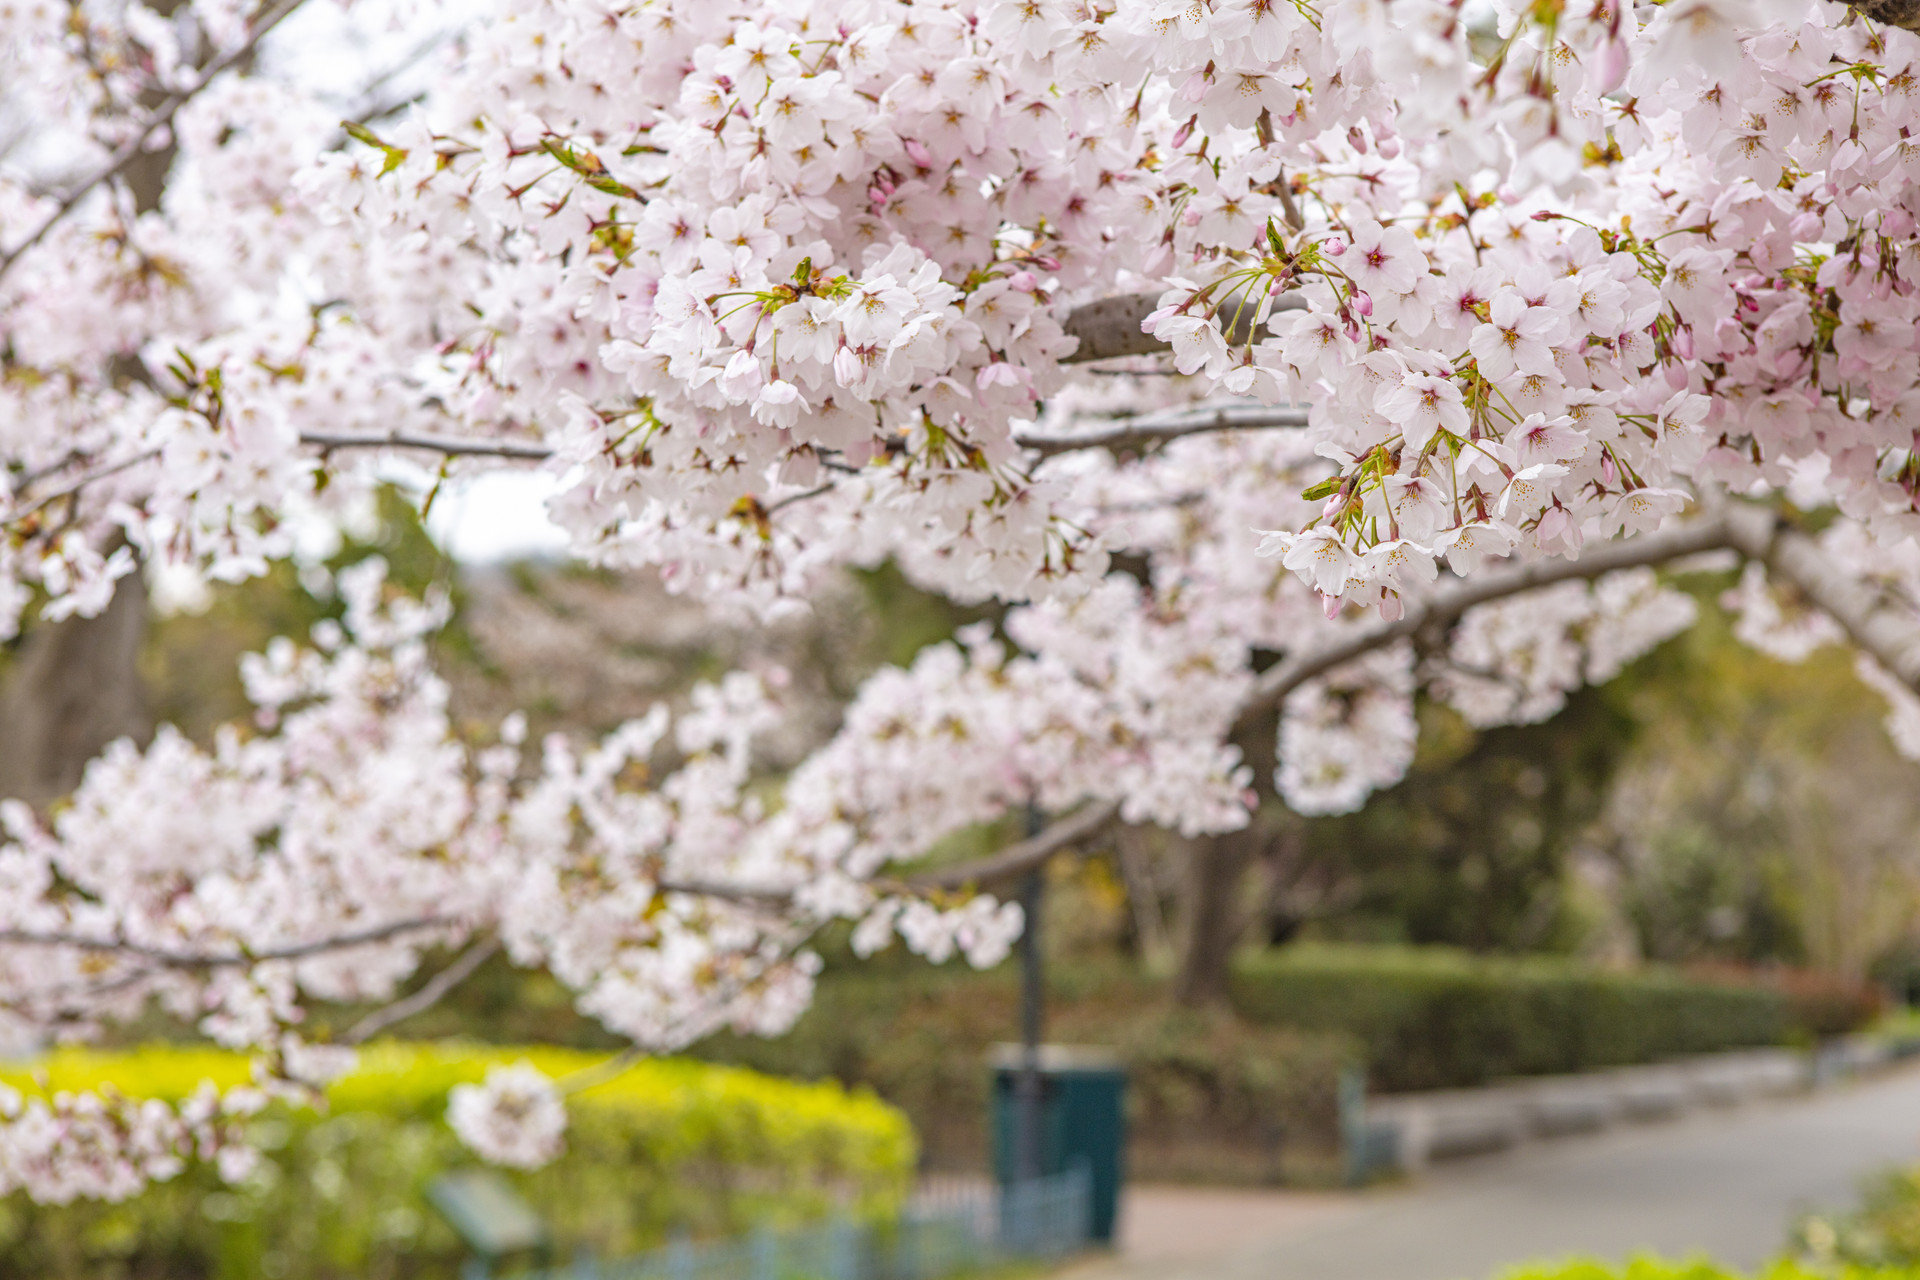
1699 1269
1433 1018
1209 1095
667 1145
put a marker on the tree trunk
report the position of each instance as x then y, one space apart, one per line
1213 916
75 687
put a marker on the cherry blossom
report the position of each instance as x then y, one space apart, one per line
514 1117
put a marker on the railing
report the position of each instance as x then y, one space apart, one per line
943 1232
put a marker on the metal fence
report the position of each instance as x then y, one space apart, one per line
942 1232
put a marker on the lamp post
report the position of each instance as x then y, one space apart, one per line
1032 1016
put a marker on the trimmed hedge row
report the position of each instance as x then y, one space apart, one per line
1433 1018
667 1145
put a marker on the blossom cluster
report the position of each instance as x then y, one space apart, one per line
514 1117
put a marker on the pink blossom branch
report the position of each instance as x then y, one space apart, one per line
1736 527
161 116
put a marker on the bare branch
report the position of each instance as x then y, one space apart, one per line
426 997
159 118
166 958
452 446
1029 853
73 489
1140 433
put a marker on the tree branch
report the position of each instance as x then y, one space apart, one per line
1110 327
452 446
1883 630
426 997
159 118
1735 527
1894 13
169 959
1026 855
1142 432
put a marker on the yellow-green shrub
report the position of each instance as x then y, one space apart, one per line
666 1145
1646 1268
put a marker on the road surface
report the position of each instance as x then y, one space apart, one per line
1727 1183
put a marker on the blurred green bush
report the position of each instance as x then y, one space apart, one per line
1883 1232
1433 1018
1645 1268
664 1146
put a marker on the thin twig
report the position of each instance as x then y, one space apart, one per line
426 997
452 446
169 959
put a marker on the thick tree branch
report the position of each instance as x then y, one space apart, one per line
1895 13
1885 631
161 116
1111 326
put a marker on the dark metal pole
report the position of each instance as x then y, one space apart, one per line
1032 1015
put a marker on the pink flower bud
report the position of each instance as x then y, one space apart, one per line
918 153
1024 281
1331 606
1389 149
1609 474
1609 66
1363 302
1682 342
846 367
1184 132
1333 246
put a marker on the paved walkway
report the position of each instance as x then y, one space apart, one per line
1727 1183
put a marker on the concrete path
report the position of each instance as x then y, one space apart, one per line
1726 1183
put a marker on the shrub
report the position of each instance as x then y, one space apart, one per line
1884 1231
1645 1268
1433 1018
667 1145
